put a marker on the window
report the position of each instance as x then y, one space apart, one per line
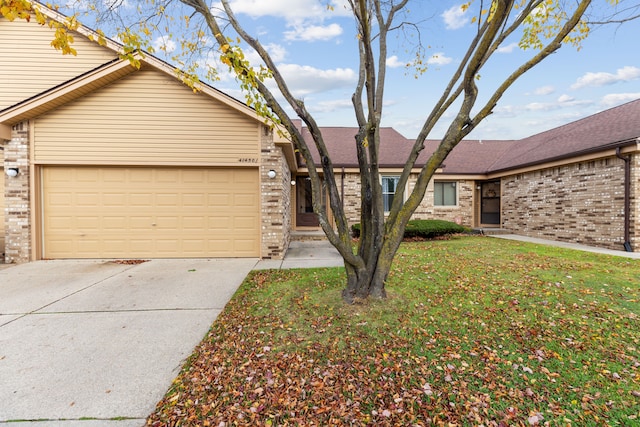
389 188
445 193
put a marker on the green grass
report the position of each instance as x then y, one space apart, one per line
476 331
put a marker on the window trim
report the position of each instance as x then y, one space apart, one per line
387 175
456 185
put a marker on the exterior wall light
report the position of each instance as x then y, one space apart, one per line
12 172
271 174
293 182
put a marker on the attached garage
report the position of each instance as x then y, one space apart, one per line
131 163
137 212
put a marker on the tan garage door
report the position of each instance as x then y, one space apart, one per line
2 227
92 212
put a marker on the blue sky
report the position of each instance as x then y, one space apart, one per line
316 51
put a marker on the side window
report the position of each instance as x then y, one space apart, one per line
389 188
445 193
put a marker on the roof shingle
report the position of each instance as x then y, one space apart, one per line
608 129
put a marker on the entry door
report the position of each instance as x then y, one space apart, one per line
490 203
305 217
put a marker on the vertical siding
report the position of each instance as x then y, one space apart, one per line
29 65
147 118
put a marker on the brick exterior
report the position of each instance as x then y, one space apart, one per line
462 213
275 198
17 197
580 203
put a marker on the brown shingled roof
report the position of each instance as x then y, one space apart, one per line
608 129
469 157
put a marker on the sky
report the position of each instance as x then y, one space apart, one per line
315 49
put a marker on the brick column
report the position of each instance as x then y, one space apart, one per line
275 198
16 197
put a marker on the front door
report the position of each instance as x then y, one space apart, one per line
490 203
304 206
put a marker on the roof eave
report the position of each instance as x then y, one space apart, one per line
601 148
65 92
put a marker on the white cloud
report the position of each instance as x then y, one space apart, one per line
164 43
563 101
331 106
508 48
293 11
394 62
277 52
564 98
304 80
455 18
614 99
116 4
439 58
313 32
623 74
540 106
544 90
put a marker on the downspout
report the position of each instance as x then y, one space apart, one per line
627 199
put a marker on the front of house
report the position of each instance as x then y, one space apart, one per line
103 160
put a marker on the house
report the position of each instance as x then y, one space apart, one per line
576 183
104 160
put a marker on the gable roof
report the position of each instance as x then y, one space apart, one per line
469 156
103 75
616 127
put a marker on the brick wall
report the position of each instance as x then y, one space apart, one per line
581 203
275 198
16 197
462 213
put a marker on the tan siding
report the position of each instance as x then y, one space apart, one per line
29 65
2 225
93 212
146 118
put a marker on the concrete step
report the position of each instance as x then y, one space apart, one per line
308 235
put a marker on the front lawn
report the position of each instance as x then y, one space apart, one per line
476 331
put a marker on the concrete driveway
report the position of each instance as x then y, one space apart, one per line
98 343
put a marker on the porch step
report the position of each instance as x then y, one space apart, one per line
307 235
488 231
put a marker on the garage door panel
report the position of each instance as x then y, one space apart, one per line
141 199
150 212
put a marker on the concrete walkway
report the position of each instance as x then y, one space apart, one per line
574 246
305 254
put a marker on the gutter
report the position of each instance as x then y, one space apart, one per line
627 200
616 145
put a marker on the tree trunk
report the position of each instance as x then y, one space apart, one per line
369 281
